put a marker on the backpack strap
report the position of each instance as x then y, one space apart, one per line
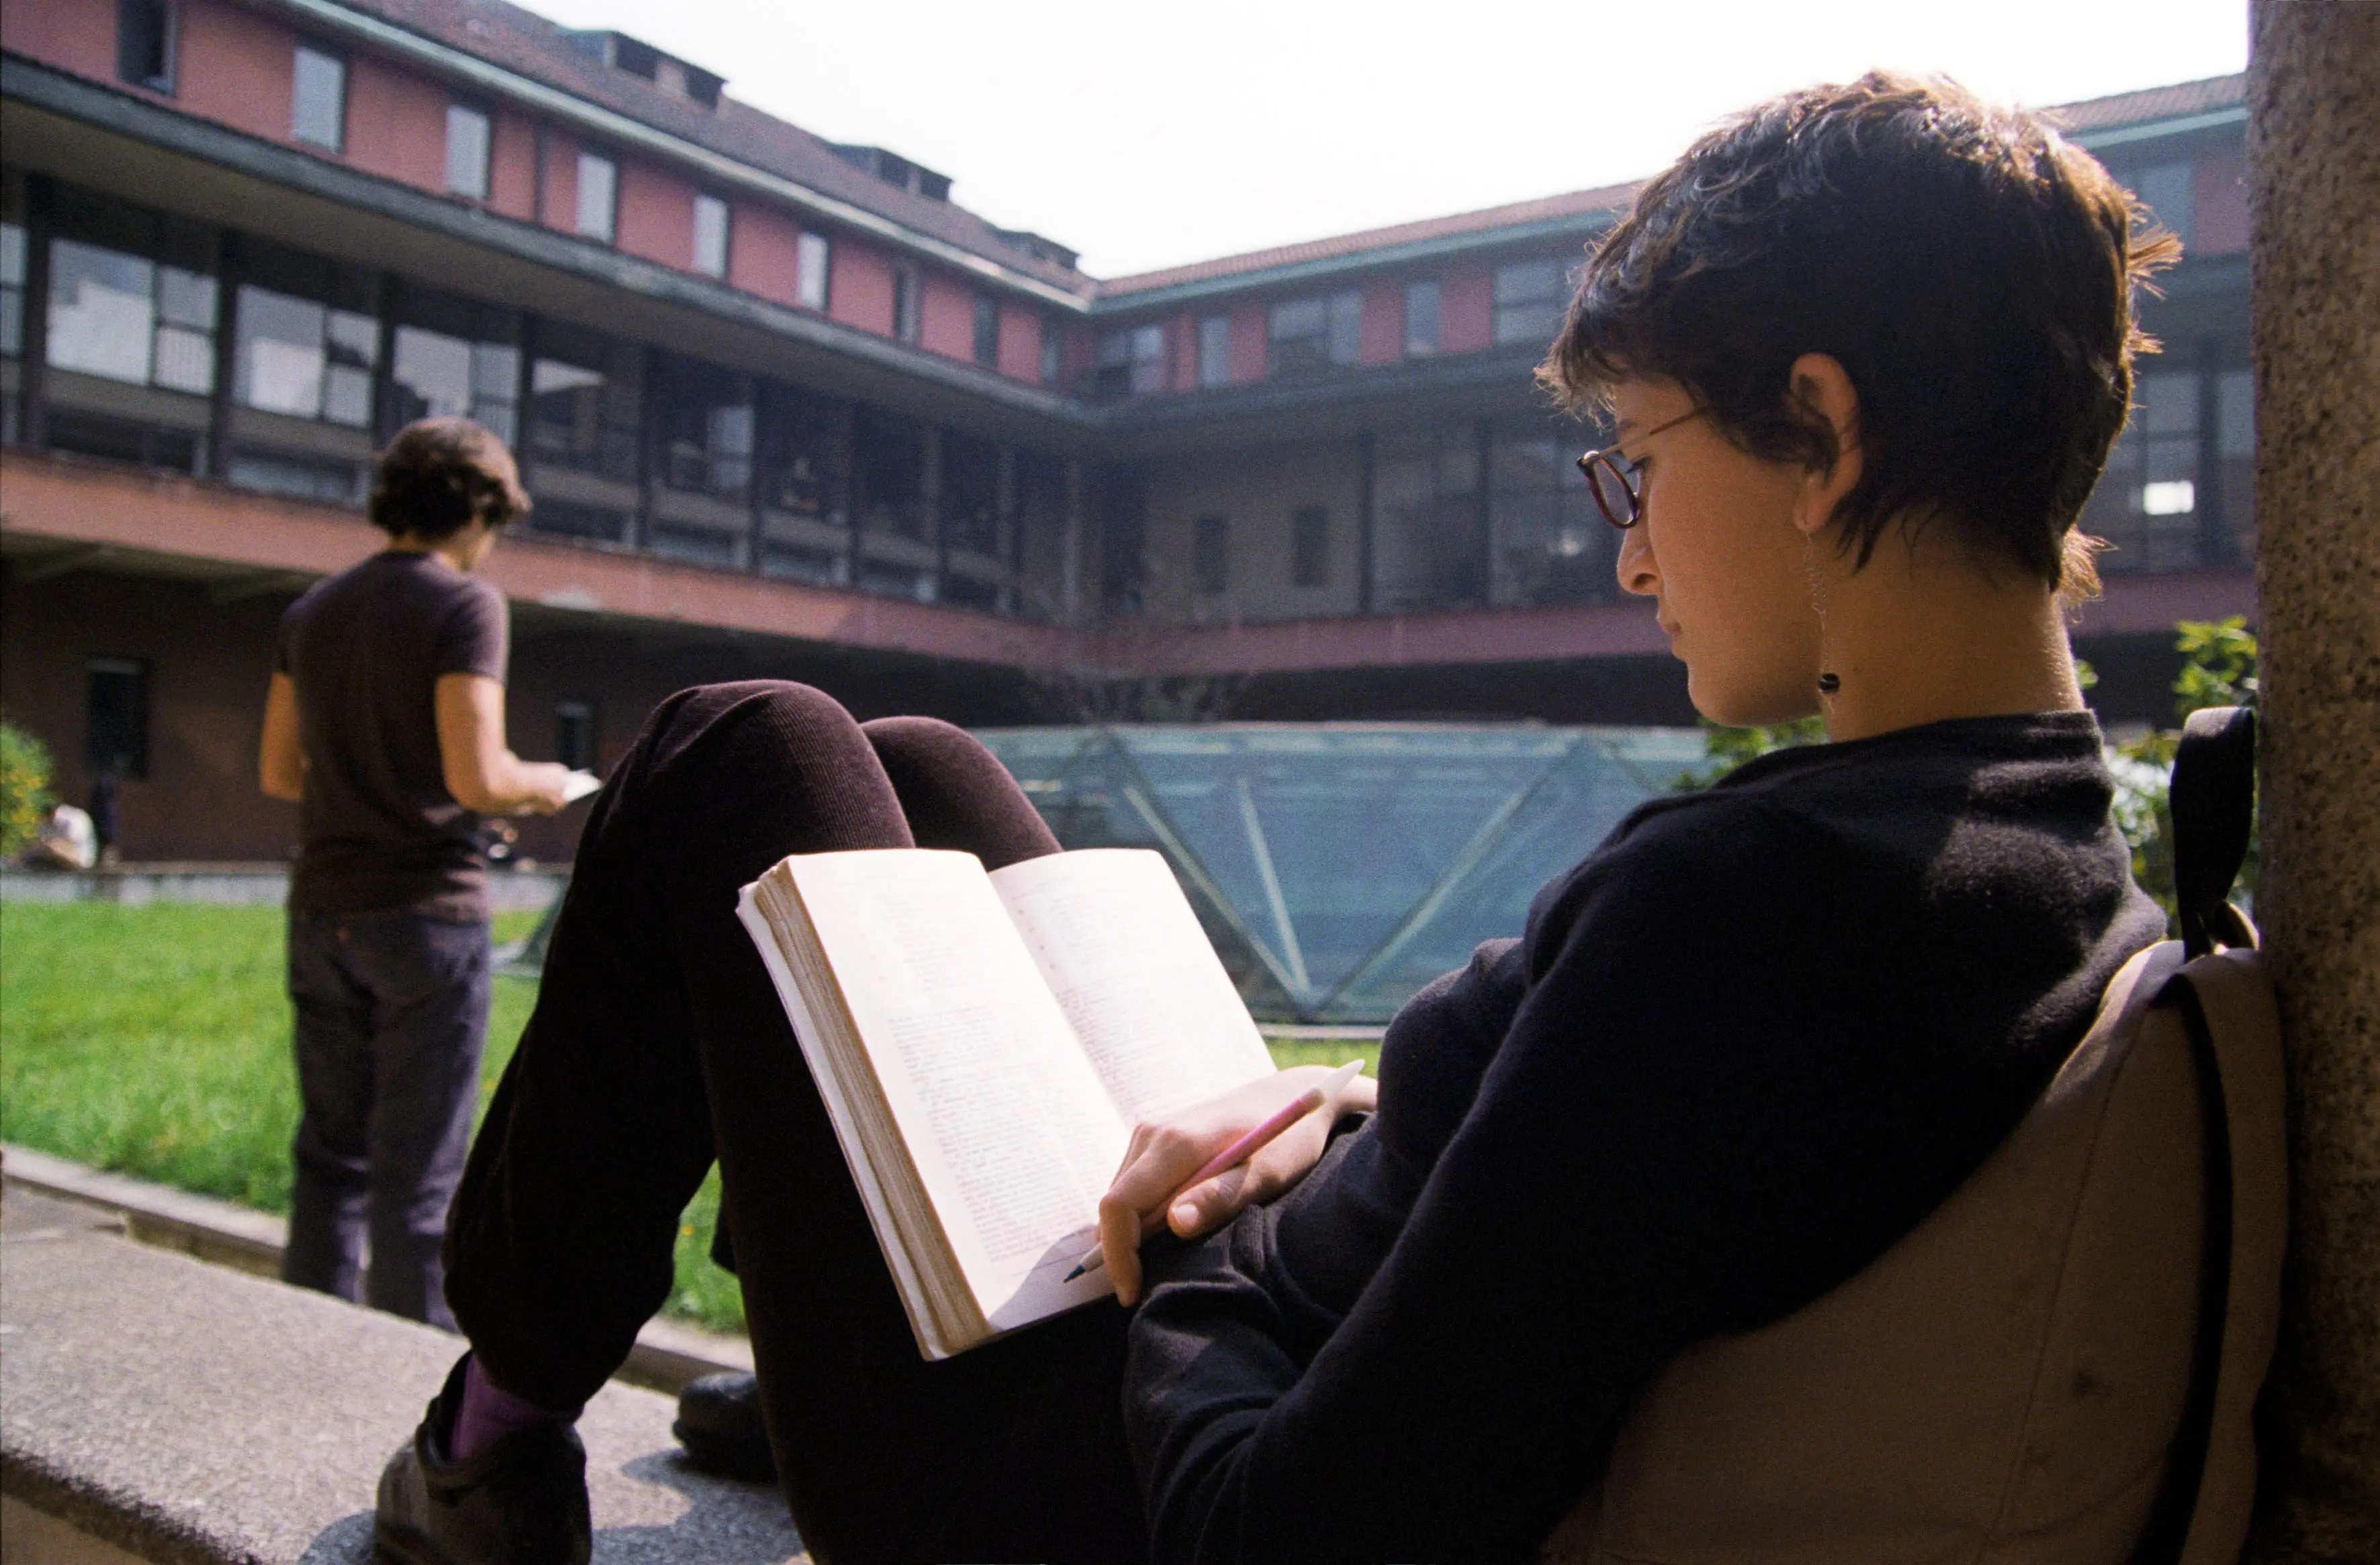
2213 801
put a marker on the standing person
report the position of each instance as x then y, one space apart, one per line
385 723
105 823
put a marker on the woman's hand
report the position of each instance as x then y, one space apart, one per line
1165 1152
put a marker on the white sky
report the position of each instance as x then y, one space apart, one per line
1149 134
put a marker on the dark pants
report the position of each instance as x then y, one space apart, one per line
391 1012
658 1043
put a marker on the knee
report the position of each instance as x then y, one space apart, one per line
922 740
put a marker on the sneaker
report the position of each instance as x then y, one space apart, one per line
522 1501
719 1423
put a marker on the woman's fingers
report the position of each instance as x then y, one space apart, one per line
1120 1245
1277 1165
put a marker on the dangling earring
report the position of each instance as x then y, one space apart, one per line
1830 683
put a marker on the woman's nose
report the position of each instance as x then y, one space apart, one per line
1637 572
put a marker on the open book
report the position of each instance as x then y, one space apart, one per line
984 1043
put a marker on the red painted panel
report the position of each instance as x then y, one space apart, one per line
76 35
561 181
1248 342
236 66
760 252
1466 315
397 124
859 287
512 167
1020 342
656 214
1182 344
1384 323
2221 197
946 324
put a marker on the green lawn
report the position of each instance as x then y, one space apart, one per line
155 1041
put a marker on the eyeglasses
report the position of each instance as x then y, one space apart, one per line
1617 483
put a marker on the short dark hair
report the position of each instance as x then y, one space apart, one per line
436 476
1973 272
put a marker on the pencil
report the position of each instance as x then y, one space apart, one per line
1239 1151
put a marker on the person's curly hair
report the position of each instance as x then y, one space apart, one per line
438 474
1973 272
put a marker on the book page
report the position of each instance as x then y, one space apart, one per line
1119 946
1012 1135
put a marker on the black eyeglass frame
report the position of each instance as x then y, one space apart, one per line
1627 474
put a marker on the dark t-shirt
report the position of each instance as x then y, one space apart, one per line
1746 1045
365 649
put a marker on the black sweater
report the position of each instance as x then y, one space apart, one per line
1747 1044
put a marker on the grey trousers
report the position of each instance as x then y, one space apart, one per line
392 1013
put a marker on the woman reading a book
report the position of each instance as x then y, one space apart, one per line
1864 349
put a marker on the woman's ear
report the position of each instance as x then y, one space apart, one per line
1822 387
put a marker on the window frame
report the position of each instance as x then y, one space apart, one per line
710 201
806 245
908 302
987 332
1423 347
169 39
1214 351
486 169
299 51
610 232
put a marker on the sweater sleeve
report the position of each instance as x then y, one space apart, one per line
1670 1142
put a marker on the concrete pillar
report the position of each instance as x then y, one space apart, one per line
2313 140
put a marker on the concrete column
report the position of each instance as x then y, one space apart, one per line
2313 140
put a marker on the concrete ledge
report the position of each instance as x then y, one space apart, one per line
522 890
154 1407
666 1356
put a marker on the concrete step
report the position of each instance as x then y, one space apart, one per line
157 1408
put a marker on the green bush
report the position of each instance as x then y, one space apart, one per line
24 787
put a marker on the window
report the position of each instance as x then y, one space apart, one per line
2147 501
115 717
1053 352
573 733
1131 362
987 331
1306 337
599 196
1210 555
798 454
707 422
452 356
811 271
2169 191
1427 551
888 459
468 143
1529 301
125 317
12 288
2235 449
904 302
305 340
144 43
970 496
318 99
1549 543
711 236
1215 351
1421 318
586 395
1309 547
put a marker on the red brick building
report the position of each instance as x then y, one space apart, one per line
788 409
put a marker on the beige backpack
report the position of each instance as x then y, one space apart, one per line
2056 1367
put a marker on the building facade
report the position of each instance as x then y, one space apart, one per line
787 410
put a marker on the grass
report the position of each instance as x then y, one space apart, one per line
154 1042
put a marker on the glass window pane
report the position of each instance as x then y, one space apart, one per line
586 398
1346 328
103 311
432 372
706 426
811 271
1215 350
711 236
318 99
185 361
2167 190
466 151
599 183
278 361
1421 318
